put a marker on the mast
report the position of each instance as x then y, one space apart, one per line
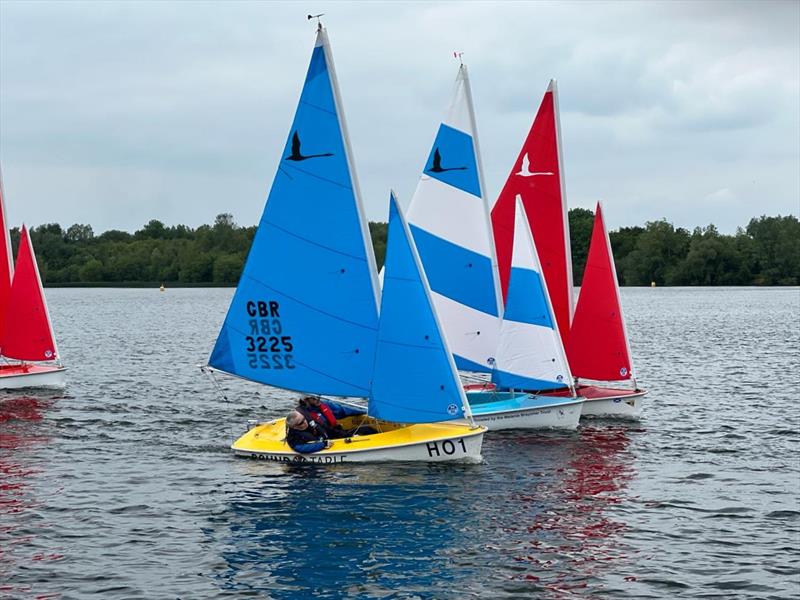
481 179
6 263
562 182
322 37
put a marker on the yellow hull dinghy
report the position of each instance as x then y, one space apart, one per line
429 442
305 315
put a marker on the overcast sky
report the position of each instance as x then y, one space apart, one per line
113 114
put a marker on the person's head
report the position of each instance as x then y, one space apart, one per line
296 421
310 401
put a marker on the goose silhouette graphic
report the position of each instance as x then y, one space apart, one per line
295 155
437 164
525 171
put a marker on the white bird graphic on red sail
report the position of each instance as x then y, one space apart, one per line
525 170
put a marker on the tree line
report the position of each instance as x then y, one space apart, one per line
765 252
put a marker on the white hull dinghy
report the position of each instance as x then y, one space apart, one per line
598 347
307 318
32 375
449 218
520 410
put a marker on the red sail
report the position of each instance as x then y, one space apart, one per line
598 343
537 179
28 335
6 267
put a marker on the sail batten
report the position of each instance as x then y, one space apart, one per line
305 314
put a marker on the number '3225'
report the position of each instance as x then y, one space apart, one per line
263 344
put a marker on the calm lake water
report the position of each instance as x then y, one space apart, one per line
124 487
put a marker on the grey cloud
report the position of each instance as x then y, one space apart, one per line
115 113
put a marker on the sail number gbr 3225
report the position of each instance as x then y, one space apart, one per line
267 345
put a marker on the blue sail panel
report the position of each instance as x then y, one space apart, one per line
414 379
304 315
512 381
452 160
526 300
456 272
464 364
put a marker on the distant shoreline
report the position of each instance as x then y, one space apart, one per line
177 285
764 253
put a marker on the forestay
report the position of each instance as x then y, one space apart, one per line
305 313
530 355
410 341
449 219
598 344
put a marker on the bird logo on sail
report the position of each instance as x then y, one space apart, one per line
525 171
297 156
437 164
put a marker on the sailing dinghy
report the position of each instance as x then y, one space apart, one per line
28 353
598 347
449 219
538 178
304 316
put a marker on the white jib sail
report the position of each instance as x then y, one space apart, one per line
530 354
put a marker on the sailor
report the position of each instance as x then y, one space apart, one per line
325 415
303 436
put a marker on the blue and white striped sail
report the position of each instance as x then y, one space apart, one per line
305 313
530 355
449 218
411 342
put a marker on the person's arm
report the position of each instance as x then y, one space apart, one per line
309 447
340 411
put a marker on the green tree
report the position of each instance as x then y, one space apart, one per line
79 233
658 251
581 223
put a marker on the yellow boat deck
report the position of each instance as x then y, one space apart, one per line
270 438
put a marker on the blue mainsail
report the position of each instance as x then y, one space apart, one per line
305 315
410 341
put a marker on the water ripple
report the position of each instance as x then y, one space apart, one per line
124 487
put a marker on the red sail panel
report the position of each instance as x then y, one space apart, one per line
536 178
598 342
28 335
6 265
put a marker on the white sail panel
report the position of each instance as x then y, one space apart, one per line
472 335
530 354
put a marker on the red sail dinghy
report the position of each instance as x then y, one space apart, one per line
598 348
538 178
28 353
